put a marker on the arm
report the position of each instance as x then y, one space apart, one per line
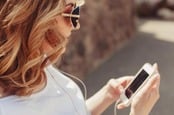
142 103
146 98
107 95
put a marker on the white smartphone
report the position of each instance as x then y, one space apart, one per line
137 83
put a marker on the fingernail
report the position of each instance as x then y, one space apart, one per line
156 65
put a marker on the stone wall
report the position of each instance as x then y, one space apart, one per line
105 26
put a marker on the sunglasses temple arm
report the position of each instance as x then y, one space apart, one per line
70 15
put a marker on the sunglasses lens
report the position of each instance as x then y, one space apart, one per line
74 20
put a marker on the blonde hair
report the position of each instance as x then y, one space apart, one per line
24 25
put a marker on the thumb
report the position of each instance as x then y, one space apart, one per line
121 106
155 66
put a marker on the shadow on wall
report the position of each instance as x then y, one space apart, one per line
145 48
105 26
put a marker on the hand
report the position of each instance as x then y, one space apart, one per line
107 95
146 98
115 87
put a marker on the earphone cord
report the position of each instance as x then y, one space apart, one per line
115 106
79 80
85 90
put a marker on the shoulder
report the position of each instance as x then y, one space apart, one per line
63 80
1 109
55 73
8 104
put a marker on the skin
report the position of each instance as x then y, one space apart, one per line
143 101
147 97
110 93
64 27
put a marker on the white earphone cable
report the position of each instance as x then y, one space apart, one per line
85 89
115 106
79 80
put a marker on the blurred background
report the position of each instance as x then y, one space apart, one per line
116 38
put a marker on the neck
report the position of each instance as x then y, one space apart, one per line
2 94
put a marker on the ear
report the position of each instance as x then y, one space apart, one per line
68 8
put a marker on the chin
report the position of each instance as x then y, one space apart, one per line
68 34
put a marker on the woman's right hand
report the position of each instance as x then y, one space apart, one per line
146 98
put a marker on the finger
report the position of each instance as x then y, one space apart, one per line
150 83
114 86
125 80
156 85
155 66
156 73
121 106
156 80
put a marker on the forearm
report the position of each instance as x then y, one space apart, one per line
98 103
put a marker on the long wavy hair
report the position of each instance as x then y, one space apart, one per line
24 24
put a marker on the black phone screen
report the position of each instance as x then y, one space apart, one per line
142 76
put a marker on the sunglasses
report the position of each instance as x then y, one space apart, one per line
74 16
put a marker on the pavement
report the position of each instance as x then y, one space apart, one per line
154 42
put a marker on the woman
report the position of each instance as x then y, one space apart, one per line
33 36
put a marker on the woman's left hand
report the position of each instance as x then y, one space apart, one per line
146 98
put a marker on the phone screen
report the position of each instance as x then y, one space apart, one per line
142 76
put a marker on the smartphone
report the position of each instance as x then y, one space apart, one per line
136 84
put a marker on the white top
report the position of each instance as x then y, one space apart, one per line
61 96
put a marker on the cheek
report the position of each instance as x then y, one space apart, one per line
64 26
67 21
46 47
